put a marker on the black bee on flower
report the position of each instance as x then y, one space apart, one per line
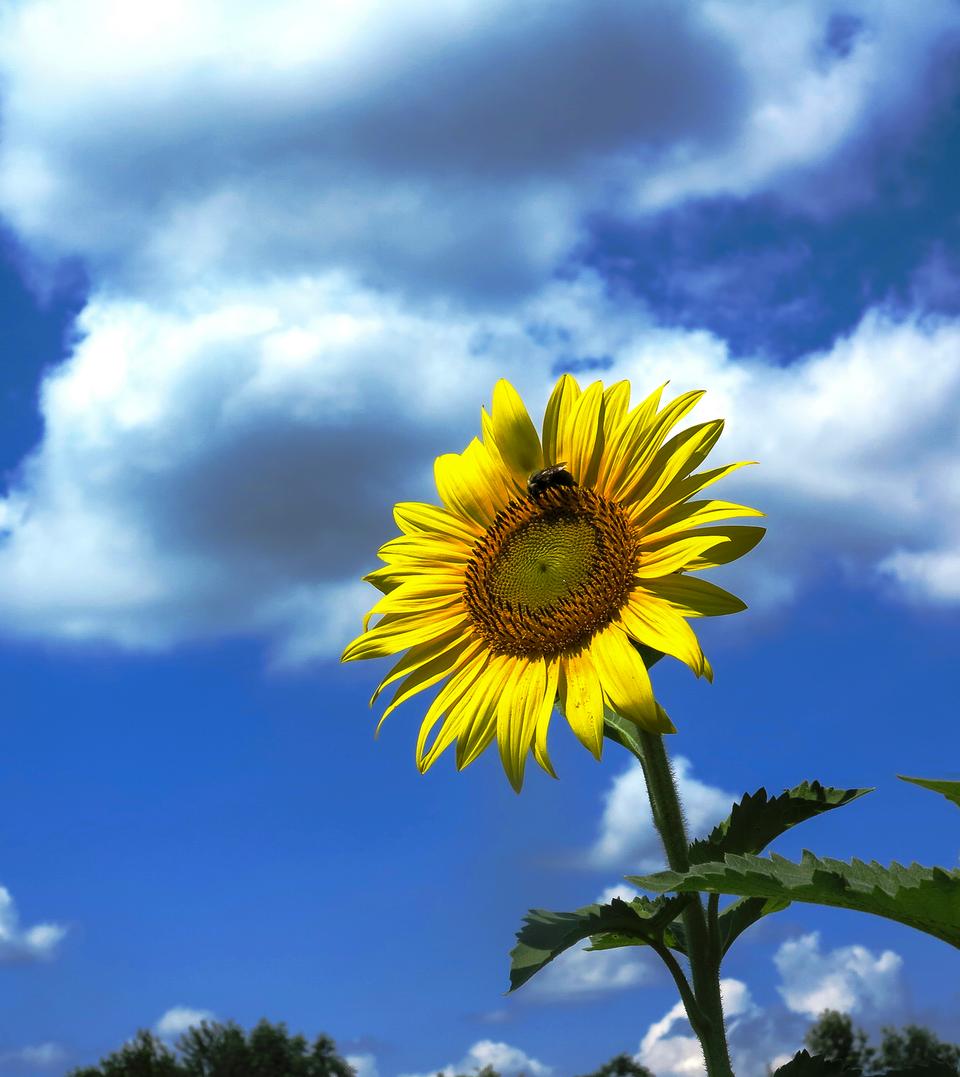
548 478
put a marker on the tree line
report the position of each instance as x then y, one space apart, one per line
214 1049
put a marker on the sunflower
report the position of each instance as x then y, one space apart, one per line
550 566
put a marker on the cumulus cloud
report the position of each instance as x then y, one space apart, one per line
850 979
627 833
676 1054
41 1056
227 469
18 943
439 146
179 1019
363 1065
455 147
829 76
226 465
314 243
506 1060
581 973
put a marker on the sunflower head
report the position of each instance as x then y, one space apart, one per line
550 563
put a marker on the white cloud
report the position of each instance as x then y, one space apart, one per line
351 136
411 141
281 336
41 1056
850 979
363 1065
671 1055
627 834
580 973
179 1019
226 465
226 470
680 1055
805 102
19 943
506 1060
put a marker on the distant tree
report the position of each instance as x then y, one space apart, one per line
834 1036
914 1046
212 1049
144 1056
621 1066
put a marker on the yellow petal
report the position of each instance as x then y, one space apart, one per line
693 597
675 460
540 752
388 637
385 579
556 417
677 553
417 518
477 734
724 544
414 550
624 678
695 514
429 674
642 455
514 433
581 700
623 438
445 707
579 439
616 403
416 600
655 623
452 644
693 484
470 485
517 714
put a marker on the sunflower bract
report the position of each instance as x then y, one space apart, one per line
515 603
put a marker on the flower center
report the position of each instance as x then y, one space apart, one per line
550 572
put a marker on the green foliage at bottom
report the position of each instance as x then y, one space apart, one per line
212 1049
806 1065
621 1066
910 1050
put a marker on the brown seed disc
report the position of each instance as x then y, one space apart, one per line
551 572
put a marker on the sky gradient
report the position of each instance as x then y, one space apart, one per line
259 265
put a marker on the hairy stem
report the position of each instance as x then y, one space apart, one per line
706 1016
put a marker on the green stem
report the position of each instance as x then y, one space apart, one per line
673 967
706 1016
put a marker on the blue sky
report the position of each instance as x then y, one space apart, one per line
258 266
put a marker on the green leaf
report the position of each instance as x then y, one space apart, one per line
545 935
951 790
805 1065
670 930
756 820
625 732
744 913
925 898
650 655
922 1069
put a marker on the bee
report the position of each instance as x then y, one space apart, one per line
548 478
